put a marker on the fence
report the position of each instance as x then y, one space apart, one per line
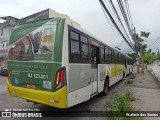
154 68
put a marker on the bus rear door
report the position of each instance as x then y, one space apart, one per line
94 68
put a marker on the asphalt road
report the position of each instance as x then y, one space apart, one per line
94 104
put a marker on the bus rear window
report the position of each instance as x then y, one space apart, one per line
37 45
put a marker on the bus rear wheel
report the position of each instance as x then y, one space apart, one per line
106 87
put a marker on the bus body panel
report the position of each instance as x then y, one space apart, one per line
79 83
41 57
80 91
79 76
56 99
79 96
103 72
35 76
114 72
65 58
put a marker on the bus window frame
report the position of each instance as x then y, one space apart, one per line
84 43
80 61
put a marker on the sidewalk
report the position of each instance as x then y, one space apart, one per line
147 92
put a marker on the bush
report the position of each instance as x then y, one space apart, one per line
129 96
121 104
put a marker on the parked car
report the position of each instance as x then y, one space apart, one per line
4 71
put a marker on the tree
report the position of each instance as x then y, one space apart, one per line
132 55
145 34
143 47
149 56
140 46
149 50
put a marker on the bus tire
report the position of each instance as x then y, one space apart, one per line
106 87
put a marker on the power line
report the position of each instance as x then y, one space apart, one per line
120 3
118 44
119 19
154 42
115 13
112 27
109 7
121 43
130 17
112 11
114 23
127 11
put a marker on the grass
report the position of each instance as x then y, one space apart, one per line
129 96
121 104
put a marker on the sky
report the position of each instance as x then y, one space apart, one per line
145 16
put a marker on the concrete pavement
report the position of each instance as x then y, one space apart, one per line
147 92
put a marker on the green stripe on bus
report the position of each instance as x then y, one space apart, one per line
22 30
59 41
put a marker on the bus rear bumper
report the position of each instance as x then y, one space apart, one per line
56 99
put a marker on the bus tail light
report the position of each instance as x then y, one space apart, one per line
60 79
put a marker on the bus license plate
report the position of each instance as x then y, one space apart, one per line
31 86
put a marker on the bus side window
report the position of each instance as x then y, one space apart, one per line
119 58
113 56
102 54
110 55
106 54
84 48
74 47
123 59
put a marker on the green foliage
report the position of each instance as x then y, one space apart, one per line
109 105
132 55
144 47
149 57
121 103
129 96
158 54
141 47
140 40
145 34
149 50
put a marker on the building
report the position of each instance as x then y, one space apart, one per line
10 22
5 29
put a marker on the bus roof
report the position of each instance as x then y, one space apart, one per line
69 22
91 35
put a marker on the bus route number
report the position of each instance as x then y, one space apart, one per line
39 76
